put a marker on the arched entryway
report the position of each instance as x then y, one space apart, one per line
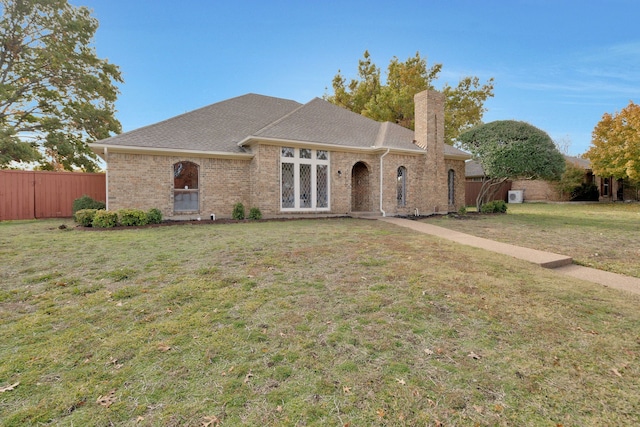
360 188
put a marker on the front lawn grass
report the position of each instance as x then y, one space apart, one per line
605 236
335 322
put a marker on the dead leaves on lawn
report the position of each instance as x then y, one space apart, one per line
9 387
211 421
107 400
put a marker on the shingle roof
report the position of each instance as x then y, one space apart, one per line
220 127
473 169
579 161
217 127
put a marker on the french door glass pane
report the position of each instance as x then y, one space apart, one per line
305 186
322 199
288 182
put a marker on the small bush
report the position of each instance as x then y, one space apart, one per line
132 217
154 216
462 210
84 217
86 202
585 193
494 206
105 219
238 211
254 213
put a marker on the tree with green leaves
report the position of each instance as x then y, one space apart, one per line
393 101
56 95
509 149
571 180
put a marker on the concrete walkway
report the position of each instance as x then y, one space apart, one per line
560 263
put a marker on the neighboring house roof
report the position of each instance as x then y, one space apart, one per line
225 127
579 161
473 169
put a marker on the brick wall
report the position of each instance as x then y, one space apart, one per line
146 181
536 190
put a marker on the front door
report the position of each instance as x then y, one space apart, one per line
360 191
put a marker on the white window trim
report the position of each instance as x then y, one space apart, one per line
313 161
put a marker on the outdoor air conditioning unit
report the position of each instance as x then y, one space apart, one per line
516 196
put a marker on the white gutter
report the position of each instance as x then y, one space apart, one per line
381 181
106 178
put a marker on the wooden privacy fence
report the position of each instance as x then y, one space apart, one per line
39 194
472 189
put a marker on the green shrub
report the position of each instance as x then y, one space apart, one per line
494 206
132 217
238 211
254 213
585 193
462 210
84 217
105 219
154 216
86 202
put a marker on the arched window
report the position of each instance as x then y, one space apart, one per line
402 186
451 182
185 187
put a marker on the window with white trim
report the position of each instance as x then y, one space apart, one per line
185 187
304 179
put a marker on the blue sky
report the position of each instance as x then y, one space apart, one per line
559 65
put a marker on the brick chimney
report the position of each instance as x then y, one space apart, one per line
429 135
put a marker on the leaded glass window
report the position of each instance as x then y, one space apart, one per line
304 179
452 186
322 186
288 183
287 152
402 186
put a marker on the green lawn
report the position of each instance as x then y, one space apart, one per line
335 322
603 236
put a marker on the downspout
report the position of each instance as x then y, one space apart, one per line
106 178
381 181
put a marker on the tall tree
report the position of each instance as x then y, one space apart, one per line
393 101
509 149
56 95
615 144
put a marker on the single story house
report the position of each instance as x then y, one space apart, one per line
287 159
609 189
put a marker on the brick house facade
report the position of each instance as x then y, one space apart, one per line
286 159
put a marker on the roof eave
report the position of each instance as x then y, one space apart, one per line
100 150
463 157
252 140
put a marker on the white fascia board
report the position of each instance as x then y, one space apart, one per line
457 157
99 149
248 142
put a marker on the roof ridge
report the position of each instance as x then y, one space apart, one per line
383 130
275 122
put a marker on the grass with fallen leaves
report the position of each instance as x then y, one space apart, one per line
335 322
605 236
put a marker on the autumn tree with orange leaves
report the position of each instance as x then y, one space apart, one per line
615 144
